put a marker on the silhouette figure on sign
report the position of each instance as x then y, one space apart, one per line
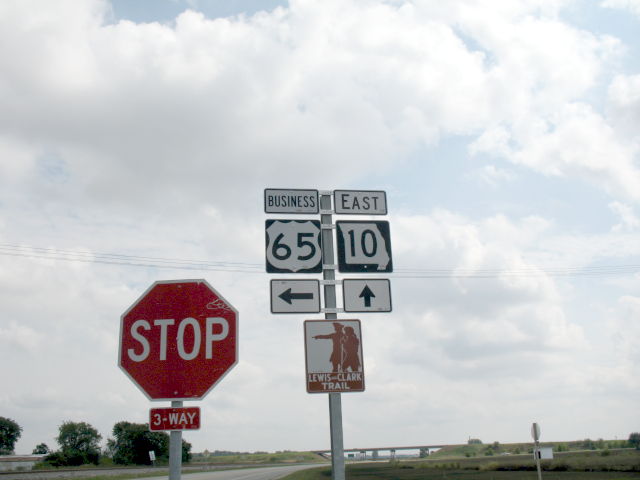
345 353
350 348
336 353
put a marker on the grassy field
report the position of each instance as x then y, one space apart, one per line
388 473
260 458
592 465
496 448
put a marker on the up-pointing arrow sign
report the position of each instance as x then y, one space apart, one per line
366 295
295 296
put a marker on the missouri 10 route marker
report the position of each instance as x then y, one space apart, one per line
364 246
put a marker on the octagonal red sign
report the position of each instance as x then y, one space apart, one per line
178 340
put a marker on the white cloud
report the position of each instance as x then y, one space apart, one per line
278 96
506 307
17 160
632 5
494 176
20 336
628 219
494 140
576 142
624 320
624 105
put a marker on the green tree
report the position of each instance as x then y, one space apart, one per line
132 443
186 451
634 440
10 432
41 449
79 443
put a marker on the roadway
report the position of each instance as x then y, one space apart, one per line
254 473
235 473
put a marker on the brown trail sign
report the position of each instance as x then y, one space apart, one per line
333 351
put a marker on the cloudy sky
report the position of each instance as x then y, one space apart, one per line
137 137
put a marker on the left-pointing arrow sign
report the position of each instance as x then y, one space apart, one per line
295 296
289 296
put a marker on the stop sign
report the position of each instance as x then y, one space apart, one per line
178 340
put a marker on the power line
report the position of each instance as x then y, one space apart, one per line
244 267
127 260
524 271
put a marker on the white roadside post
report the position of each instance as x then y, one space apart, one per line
535 433
335 401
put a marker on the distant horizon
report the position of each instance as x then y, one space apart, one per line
354 449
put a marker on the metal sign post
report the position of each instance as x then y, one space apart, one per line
535 433
175 450
335 401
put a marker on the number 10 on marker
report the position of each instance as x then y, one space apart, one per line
364 246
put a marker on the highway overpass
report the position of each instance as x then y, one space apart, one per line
392 450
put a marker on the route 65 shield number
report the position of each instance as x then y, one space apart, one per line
293 246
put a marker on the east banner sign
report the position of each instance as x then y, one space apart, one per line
178 340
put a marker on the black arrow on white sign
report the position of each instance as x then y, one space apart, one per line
288 296
367 294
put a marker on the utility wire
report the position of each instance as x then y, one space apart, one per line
128 260
14 250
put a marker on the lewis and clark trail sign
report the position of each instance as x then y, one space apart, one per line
333 353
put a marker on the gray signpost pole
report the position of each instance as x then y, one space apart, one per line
335 402
175 449
535 433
